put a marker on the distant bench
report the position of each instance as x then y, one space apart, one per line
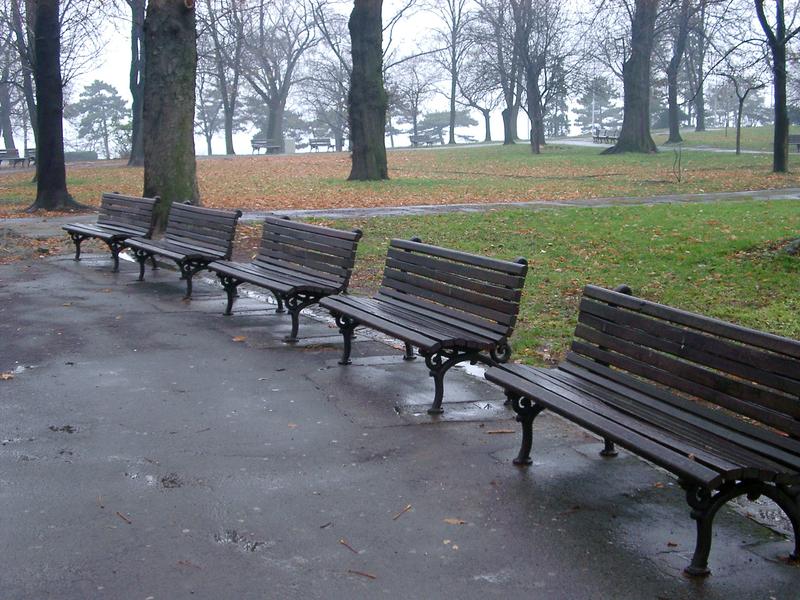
11 153
716 404
121 217
298 263
453 306
794 140
270 146
319 142
605 137
194 237
423 140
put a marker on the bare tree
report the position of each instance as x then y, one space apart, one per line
477 89
222 21
452 34
277 35
136 79
413 83
779 32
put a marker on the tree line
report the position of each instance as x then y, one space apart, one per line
216 65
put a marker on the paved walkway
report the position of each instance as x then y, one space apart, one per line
153 449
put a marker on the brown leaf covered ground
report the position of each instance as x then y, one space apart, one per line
438 176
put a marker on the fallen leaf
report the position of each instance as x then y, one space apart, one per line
6 376
496 431
672 544
452 521
239 338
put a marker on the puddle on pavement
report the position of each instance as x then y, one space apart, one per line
244 542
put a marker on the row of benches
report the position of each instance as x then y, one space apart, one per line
274 146
12 156
648 377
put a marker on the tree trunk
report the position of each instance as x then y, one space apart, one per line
228 129
367 99
51 175
739 125
534 106
276 110
508 132
5 111
27 59
635 133
169 101
453 81
487 136
136 81
678 48
700 108
780 146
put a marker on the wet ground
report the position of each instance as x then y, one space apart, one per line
151 448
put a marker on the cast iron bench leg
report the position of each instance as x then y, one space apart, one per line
77 238
409 353
346 327
141 258
527 410
609 449
296 304
230 285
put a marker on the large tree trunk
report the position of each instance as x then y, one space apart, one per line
534 107
51 175
700 107
367 99
136 81
508 131
487 135
169 100
276 110
678 49
780 146
635 133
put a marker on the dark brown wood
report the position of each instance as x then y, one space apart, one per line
647 376
298 263
121 217
451 305
194 237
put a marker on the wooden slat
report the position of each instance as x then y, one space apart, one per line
287 256
305 256
630 440
500 328
760 339
646 349
292 268
658 336
757 360
735 430
504 293
502 266
438 264
305 227
644 369
311 241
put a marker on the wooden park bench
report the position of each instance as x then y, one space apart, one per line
29 157
423 140
452 306
121 217
316 143
716 404
194 238
298 263
269 146
794 140
8 155
605 137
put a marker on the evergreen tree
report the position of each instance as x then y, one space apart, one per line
100 114
601 94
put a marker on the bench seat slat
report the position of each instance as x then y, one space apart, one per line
671 434
595 371
293 268
681 428
630 440
448 333
271 279
335 304
745 436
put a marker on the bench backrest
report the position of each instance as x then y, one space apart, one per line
321 252
748 372
466 288
206 228
10 153
794 138
129 212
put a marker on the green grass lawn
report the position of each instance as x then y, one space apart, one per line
753 138
719 259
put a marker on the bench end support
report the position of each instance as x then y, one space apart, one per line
527 410
346 327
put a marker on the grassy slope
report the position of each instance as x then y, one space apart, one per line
753 138
717 259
